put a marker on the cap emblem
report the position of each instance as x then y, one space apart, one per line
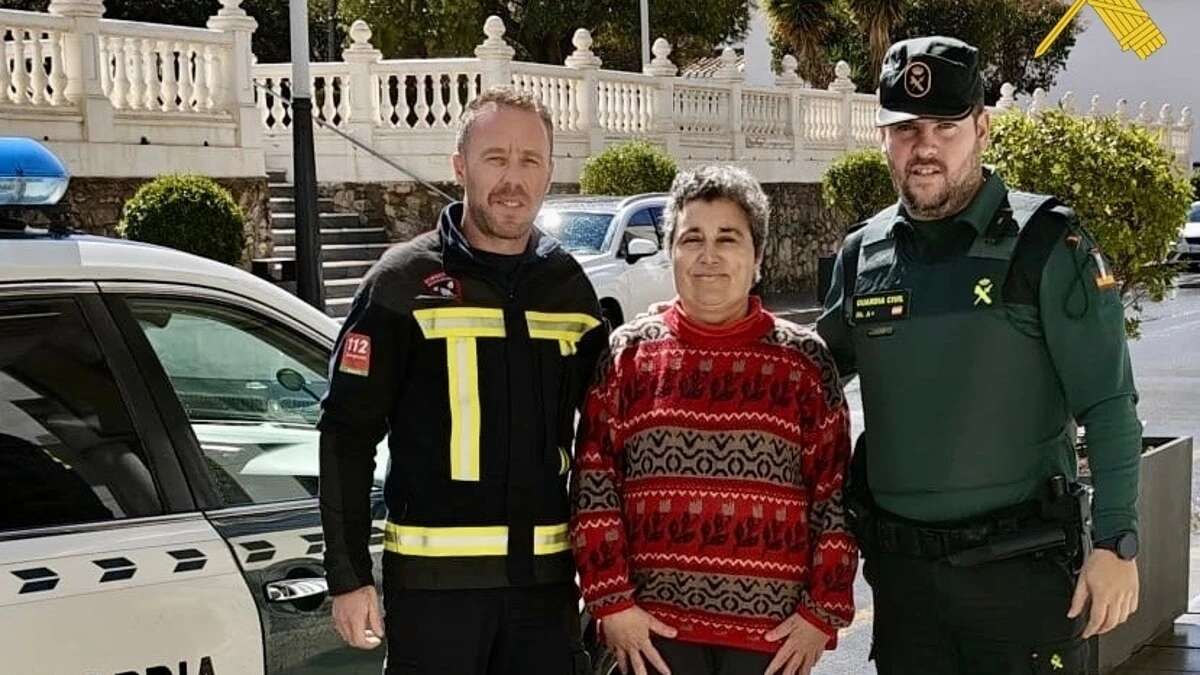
918 79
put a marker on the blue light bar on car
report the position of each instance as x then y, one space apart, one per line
30 175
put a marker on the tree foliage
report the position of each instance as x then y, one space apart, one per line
1125 189
541 30
822 32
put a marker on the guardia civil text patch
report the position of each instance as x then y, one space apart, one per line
878 307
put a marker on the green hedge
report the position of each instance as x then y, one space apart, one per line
186 212
628 169
857 185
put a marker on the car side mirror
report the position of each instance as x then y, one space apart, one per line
639 248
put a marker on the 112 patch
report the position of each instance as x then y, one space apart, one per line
356 355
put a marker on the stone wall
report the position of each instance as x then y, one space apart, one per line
801 227
93 205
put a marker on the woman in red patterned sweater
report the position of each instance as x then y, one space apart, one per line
708 527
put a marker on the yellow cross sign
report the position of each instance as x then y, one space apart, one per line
1126 20
983 291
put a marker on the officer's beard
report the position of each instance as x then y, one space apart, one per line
954 196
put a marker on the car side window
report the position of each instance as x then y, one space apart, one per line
645 224
251 390
69 453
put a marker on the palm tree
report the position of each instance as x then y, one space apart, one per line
877 18
803 25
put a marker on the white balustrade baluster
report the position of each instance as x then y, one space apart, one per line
456 102
116 47
168 88
19 76
565 105
199 79
441 87
277 105
186 81
422 102
627 109
106 66
37 69
58 77
211 87
376 100
601 106
150 76
5 72
133 74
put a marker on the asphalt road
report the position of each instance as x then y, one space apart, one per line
1166 362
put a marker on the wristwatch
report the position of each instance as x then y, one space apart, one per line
1125 545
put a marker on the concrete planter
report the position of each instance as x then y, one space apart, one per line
1164 515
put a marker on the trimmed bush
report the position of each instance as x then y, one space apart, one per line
628 169
1196 184
1126 190
186 212
857 185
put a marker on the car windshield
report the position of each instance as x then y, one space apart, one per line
1194 216
578 231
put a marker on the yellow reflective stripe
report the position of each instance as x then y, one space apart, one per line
564 461
462 367
469 541
460 322
568 326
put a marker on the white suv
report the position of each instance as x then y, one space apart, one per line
619 242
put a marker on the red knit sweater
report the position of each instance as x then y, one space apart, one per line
708 480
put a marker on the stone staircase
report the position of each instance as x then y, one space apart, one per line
348 249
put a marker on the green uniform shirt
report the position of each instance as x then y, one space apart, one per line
1051 294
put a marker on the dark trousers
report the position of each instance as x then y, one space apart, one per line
689 658
1000 618
502 631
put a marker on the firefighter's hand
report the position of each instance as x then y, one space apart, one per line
358 618
801 650
628 634
1112 586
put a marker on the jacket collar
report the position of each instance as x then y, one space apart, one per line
457 250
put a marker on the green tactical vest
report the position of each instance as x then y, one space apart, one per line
964 412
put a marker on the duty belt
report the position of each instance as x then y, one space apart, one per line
884 532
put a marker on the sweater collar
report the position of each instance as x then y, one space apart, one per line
750 328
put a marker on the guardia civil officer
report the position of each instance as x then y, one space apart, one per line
471 345
984 326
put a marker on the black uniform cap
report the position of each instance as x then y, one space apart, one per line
929 77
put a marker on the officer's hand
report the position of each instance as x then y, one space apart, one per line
358 618
1112 586
628 634
801 650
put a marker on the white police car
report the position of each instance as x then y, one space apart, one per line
158 461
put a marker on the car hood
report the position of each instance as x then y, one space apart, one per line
1191 230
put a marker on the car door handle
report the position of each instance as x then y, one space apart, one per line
290 590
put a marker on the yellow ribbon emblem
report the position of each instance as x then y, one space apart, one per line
983 291
1125 19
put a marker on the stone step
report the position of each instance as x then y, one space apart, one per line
344 235
340 252
342 288
281 189
286 205
332 221
345 269
277 176
338 307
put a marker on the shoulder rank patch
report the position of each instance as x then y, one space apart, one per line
356 355
443 285
1104 279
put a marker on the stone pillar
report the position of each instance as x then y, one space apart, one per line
664 70
729 75
789 81
588 64
495 55
843 85
361 57
81 61
237 93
